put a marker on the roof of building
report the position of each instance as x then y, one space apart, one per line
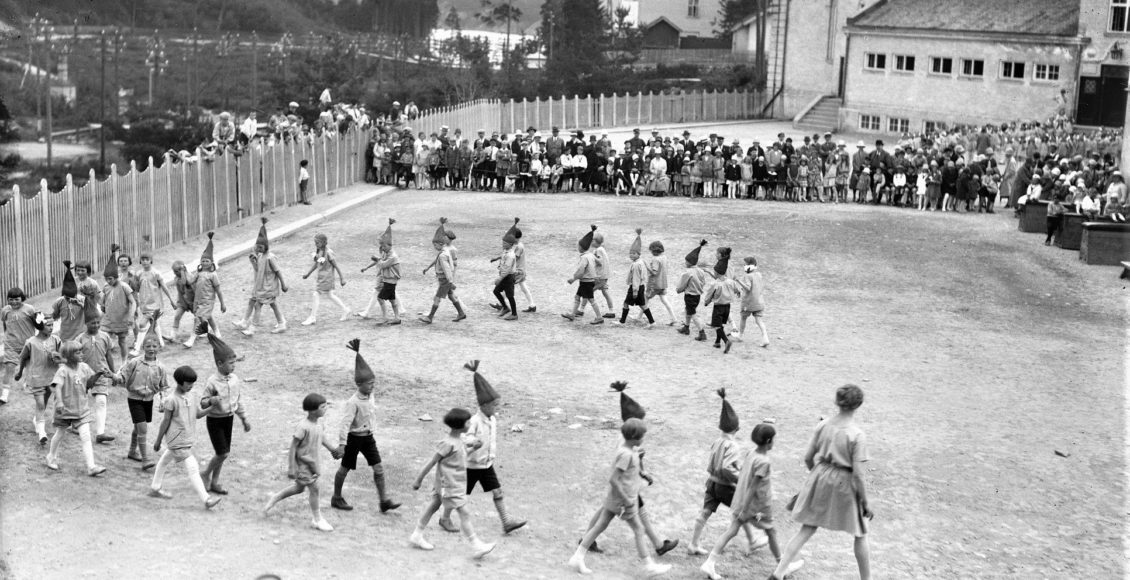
1030 17
662 19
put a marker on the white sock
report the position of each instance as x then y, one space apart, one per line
338 301
315 304
193 469
159 471
87 446
99 414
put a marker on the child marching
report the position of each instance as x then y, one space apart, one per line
722 292
71 384
223 397
144 379
520 268
481 439
68 308
118 305
205 293
178 435
303 465
603 271
355 435
585 276
96 348
39 357
325 263
150 303
504 283
18 321
184 299
445 273
388 264
690 286
657 277
637 283
268 283
753 298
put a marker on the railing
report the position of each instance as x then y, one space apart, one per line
590 112
145 210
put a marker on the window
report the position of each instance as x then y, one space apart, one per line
898 125
904 63
1012 70
869 122
875 61
933 127
1118 20
1046 72
972 68
692 8
941 66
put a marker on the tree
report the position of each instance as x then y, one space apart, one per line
732 14
576 34
452 21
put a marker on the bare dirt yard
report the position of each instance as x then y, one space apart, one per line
981 351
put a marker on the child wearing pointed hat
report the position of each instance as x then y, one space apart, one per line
150 303
325 263
637 283
68 308
504 283
355 434
724 467
388 264
40 357
96 347
722 291
585 276
623 499
603 271
752 504
520 268
17 319
118 305
445 273
205 293
222 396
144 379
691 284
481 439
268 283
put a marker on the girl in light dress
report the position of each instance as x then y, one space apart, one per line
325 264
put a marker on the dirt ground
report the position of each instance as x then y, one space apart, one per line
981 351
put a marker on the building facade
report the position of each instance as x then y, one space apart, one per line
915 65
1105 64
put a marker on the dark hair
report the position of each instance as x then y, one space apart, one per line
84 264
457 418
17 292
312 402
849 397
185 374
762 433
656 246
303 163
126 256
633 429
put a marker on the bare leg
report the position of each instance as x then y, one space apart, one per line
863 557
802 536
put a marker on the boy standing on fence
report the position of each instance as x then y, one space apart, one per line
303 181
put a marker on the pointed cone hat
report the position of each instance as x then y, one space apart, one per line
692 256
484 393
207 253
221 352
111 263
70 288
629 408
512 234
443 235
637 245
728 420
151 334
723 262
361 371
386 238
262 239
90 311
586 240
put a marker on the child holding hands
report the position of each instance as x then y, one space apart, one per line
302 459
144 379
40 356
388 263
178 428
72 383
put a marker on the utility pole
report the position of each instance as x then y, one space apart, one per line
119 41
254 70
156 61
102 105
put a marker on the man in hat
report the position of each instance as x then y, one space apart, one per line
268 283
388 264
222 396
481 440
635 143
554 146
445 272
355 434
721 292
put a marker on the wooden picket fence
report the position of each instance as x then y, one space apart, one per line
589 112
145 210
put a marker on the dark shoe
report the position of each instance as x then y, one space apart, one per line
514 525
701 336
531 309
592 548
148 464
569 317
460 317
388 505
717 345
685 330
133 456
217 489
103 438
338 502
496 306
667 546
446 525
609 315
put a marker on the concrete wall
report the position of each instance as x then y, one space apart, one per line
1094 22
676 12
921 96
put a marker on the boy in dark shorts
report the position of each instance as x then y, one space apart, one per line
585 275
690 286
722 292
445 273
724 468
223 397
356 434
144 379
389 265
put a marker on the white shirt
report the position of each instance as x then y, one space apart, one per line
1088 205
249 127
484 429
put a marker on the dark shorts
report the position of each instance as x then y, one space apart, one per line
219 431
691 302
387 291
140 411
720 316
363 444
636 297
486 478
585 289
505 285
716 495
445 290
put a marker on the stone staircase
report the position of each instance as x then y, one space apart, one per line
825 116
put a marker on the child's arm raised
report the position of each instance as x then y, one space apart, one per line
424 471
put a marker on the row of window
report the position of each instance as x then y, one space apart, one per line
969 67
895 124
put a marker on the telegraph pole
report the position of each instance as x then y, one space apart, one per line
102 106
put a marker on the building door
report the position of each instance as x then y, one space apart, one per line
1090 101
1114 95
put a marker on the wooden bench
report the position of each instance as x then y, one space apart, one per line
1070 234
1034 217
1105 243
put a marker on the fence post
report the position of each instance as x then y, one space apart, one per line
17 207
42 195
69 189
133 203
577 111
511 107
184 198
325 165
525 113
169 168
650 106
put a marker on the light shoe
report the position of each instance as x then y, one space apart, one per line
96 471
760 542
249 331
696 550
344 316
279 328
793 567
707 568
322 525
482 549
577 563
417 540
309 321
240 324
211 502
656 569
51 464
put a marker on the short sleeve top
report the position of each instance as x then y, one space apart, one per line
839 445
626 470
309 436
72 401
19 325
754 493
451 472
182 428
42 366
149 290
116 300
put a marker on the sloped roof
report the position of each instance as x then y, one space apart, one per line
659 20
1028 17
